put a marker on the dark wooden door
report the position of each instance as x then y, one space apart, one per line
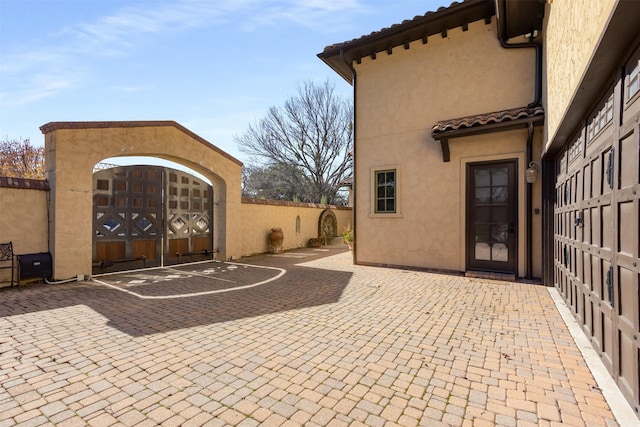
188 213
146 216
127 218
492 216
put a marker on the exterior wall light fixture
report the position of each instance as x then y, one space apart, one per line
531 173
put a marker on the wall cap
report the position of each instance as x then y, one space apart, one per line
253 201
24 183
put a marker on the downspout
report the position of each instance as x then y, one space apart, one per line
529 149
353 157
529 155
538 78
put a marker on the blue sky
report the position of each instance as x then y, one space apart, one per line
212 66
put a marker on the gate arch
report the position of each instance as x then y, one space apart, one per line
73 148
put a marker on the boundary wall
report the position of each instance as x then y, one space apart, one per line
298 221
24 220
23 217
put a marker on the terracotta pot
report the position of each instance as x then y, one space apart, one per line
276 237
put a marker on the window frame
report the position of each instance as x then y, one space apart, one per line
373 208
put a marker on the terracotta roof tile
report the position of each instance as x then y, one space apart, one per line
486 118
406 22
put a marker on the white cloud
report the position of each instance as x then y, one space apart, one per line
132 89
38 86
70 51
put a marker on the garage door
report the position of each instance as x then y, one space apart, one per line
596 228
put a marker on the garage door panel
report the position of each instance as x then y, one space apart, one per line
576 187
586 185
628 227
587 309
585 225
628 301
629 160
595 226
627 372
596 277
607 341
606 229
597 325
586 271
608 166
596 176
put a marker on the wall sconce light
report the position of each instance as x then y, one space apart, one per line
531 174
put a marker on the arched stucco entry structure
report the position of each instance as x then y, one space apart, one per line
73 148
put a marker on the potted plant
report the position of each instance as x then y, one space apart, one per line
276 237
347 237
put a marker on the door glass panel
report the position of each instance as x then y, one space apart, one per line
499 194
482 232
500 176
483 251
499 252
500 232
483 195
483 178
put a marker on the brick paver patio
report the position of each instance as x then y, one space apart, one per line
326 344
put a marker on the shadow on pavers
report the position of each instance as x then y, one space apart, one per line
300 287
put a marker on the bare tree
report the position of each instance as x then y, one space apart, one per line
312 133
18 158
276 182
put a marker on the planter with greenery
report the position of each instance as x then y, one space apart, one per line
347 237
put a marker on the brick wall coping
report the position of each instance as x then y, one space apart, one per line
252 201
24 183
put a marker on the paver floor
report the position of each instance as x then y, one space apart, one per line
326 344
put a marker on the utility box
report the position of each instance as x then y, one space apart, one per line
35 265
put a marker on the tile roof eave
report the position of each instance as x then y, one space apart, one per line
458 14
455 8
485 123
480 120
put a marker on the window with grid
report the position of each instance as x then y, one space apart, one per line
633 77
385 191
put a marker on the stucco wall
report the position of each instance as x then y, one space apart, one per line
399 98
572 31
23 221
260 216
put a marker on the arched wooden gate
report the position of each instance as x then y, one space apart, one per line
147 216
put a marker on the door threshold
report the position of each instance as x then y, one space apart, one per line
491 275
